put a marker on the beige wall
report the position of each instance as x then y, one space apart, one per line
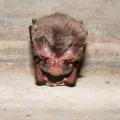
101 18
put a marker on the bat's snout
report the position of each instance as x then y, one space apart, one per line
56 71
55 66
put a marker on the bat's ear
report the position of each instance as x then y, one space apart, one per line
42 47
34 20
30 31
81 21
86 32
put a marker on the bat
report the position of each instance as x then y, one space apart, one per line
58 43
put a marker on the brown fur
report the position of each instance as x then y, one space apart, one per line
60 30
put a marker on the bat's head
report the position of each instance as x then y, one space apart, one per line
58 42
55 63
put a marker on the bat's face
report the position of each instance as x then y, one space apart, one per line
54 63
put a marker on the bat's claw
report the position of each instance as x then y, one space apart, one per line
50 84
60 83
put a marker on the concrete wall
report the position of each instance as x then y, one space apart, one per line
101 18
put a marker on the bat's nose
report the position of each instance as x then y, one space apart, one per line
55 67
55 71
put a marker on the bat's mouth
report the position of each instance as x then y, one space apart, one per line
55 78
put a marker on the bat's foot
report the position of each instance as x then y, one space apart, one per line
66 82
50 84
45 81
39 83
69 82
60 83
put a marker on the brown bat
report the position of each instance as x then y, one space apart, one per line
58 43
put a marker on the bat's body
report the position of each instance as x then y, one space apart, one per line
58 43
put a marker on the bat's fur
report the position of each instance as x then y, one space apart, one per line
60 30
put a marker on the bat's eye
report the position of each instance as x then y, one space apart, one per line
48 61
67 62
43 58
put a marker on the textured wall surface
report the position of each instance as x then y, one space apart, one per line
95 97
101 18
